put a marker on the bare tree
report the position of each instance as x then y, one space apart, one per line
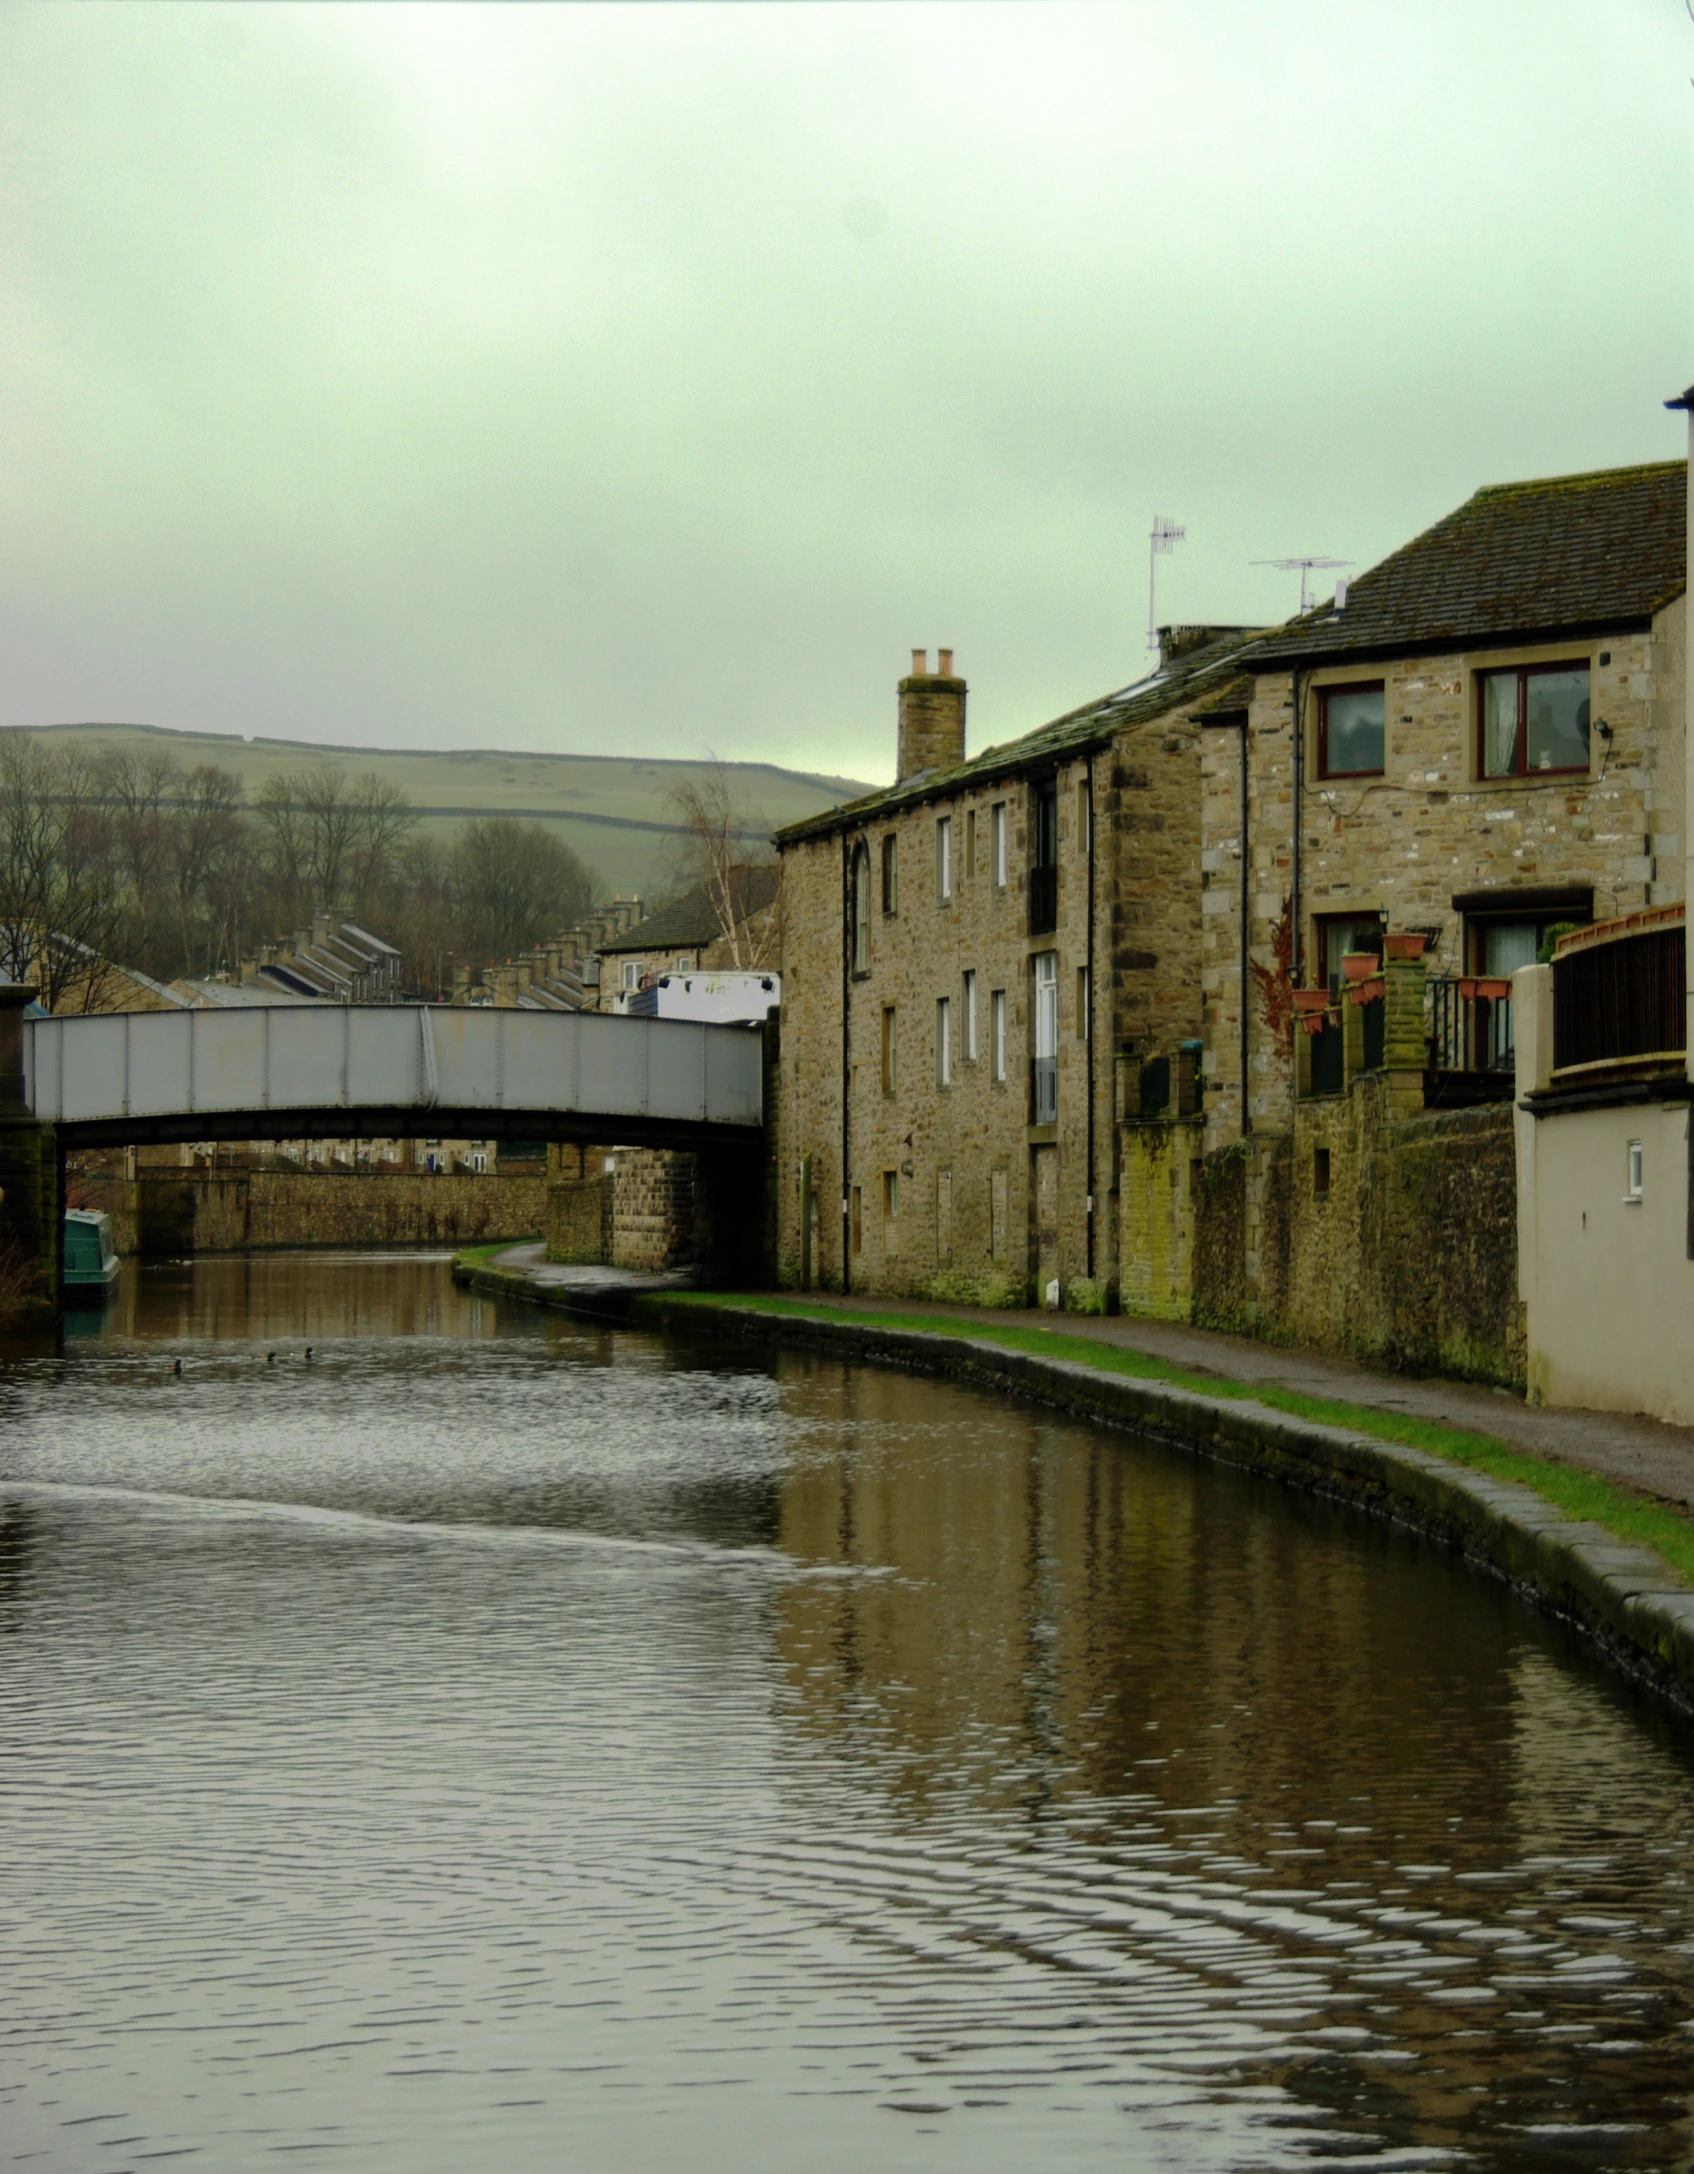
60 894
329 840
205 841
514 883
726 852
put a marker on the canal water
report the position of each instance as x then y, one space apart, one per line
481 1740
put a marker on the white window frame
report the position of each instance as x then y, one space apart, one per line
1046 965
999 862
1634 1174
944 1041
970 1015
944 857
997 1032
632 974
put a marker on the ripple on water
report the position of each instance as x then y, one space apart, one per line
524 1746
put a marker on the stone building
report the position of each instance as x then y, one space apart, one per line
1478 745
1489 744
737 927
975 964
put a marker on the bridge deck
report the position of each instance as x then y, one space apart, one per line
293 1071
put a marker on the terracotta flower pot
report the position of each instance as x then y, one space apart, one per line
1405 944
1497 992
1311 1000
1359 965
1367 992
1312 1022
1467 987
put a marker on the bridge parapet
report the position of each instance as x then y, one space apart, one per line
302 1070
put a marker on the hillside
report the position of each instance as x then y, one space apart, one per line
610 809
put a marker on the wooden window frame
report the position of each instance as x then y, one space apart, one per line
890 875
1520 751
944 859
890 1050
859 908
1349 686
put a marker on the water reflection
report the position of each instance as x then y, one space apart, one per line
493 1739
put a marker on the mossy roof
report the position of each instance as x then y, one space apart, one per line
693 918
1516 562
1203 671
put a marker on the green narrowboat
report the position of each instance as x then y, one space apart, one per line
91 1266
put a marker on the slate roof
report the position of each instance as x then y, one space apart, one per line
1518 561
693 919
1202 671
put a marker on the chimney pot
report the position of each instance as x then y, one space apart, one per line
944 663
932 719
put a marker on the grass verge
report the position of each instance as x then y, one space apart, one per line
481 1256
1586 1495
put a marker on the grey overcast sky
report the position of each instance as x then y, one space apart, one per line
645 378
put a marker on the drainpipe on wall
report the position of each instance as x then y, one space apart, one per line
1246 930
846 1055
1093 1017
1685 401
1296 947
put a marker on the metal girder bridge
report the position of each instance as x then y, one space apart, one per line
321 1071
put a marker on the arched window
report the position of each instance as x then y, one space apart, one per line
860 908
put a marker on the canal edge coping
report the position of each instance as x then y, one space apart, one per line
1623 1597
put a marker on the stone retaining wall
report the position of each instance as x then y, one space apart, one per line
165 1213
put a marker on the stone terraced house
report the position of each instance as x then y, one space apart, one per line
976 964
1406 794
1489 743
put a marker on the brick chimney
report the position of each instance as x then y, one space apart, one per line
932 717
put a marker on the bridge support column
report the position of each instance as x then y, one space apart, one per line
32 1209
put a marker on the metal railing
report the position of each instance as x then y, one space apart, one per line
1468 1023
1043 1090
1620 991
1043 901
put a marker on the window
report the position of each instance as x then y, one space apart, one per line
1320 1172
997 843
1633 1168
970 843
891 874
1082 817
943 1041
860 908
1044 860
684 962
1340 933
632 973
890 1195
888 1050
944 857
858 1221
1532 719
1044 1067
997 1032
1082 1003
1350 731
970 1016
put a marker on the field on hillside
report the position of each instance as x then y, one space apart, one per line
611 809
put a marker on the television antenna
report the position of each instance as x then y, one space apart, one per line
1303 567
1162 540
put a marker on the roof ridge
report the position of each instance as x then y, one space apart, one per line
1577 479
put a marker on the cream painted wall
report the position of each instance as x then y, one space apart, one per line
1606 1280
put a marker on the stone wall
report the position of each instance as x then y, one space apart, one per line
208 1211
579 1219
1385 1237
653 1210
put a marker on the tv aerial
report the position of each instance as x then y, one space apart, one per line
1162 540
1303 567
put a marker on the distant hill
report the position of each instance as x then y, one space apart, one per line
610 809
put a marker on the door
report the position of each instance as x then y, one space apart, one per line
1044 1207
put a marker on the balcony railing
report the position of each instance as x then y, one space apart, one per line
1620 992
1468 1020
1043 901
1043 1090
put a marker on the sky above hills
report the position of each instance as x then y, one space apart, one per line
650 378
